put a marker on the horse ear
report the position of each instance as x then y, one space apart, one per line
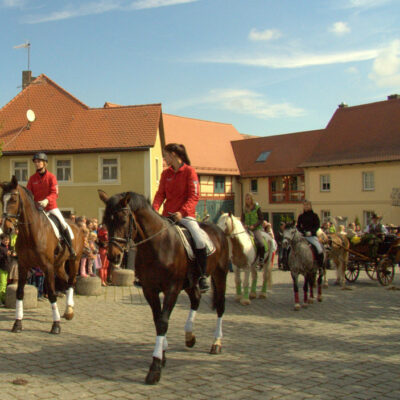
14 182
103 195
125 200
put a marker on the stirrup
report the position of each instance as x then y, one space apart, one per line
203 285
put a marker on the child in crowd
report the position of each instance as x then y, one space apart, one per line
5 261
102 237
37 279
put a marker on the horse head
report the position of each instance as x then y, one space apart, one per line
11 200
228 223
289 234
121 224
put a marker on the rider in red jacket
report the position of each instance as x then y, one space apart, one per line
179 189
44 187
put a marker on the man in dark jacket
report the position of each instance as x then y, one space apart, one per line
5 260
308 223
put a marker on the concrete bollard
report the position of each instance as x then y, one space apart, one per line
30 296
123 277
88 286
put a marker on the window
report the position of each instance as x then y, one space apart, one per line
263 156
286 189
368 181
219 184
21 171
109 169
63 170
325 181
325 214
254 186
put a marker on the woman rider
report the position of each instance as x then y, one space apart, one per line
44 187
179 188
252 219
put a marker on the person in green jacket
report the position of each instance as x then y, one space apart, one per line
252 219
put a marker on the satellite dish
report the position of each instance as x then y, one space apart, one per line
30 115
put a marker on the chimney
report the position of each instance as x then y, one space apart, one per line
26 78
342 105
393 97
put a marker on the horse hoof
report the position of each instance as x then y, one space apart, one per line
297 307
190 343
68 316
319 298
262 296
253 295
245 302
17 327
216 349
56 328
154 374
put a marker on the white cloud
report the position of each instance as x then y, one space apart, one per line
366 3
295 60
12 3
100 7
386 66
242 101
268 34
352 70
340 28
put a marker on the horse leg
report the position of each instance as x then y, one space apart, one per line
305 291
320 274
161 318
69 304
19 303
219 287
238 282
50 281
311 283
295 279
194 296
245 300
267 277
253 290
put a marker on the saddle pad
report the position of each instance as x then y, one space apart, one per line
189 251
56 230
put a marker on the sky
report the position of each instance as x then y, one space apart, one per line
266 66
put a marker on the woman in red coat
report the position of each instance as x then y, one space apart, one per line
179 191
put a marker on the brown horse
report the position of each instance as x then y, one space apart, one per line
38 246
162 266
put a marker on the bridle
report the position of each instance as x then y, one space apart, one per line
10 217
233 227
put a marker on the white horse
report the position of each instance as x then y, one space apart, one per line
243 254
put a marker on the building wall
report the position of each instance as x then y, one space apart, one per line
347 198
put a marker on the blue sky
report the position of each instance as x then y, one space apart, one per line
265 66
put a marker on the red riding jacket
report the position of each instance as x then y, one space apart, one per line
180 190
44 187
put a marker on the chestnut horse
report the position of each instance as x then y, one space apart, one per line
162 266
38 246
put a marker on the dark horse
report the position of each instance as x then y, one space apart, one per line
37 245
162 266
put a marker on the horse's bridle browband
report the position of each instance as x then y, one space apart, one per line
7 216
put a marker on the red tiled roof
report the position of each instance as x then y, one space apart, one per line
208 143
359 134
63 123
286 153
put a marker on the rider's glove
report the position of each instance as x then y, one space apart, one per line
308 233
43 203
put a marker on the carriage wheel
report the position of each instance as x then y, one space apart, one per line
385 272
352 272
370 269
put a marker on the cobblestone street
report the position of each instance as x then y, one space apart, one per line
346 347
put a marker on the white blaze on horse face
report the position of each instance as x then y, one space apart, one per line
6 199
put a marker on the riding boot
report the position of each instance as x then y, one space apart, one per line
261 254
68 241
201 259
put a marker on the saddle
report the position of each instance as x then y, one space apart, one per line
188 242
57 227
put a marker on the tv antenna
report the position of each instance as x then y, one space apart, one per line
26 45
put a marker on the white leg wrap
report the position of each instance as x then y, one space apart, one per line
218 329
70 297
19 309
190 321
165 344
158 348
56 314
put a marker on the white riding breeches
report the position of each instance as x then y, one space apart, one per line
315 242
57 213
192 225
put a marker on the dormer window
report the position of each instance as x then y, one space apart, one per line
263 156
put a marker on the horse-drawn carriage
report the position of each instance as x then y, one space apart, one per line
377 262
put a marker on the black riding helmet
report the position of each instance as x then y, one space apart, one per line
40 156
